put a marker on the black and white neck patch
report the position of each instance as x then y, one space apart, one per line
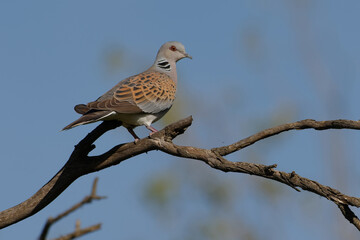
164 64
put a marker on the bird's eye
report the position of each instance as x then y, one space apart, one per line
173 48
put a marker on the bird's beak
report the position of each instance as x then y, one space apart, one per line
187 55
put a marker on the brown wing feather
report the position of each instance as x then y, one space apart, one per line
149 92
115 105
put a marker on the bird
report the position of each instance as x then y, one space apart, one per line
141 99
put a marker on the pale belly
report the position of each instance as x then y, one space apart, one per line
134 120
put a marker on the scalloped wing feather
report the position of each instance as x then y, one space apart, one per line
149 92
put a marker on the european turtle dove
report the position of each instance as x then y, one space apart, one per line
141 99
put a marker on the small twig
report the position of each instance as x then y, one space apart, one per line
269 169
349 215
79 232
87 199
77 225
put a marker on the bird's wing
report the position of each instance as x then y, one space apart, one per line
149 92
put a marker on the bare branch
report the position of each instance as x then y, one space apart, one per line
216 161
80 164
87 199
300 125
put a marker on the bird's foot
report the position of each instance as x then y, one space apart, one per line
152 129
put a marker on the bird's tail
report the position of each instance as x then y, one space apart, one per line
89 117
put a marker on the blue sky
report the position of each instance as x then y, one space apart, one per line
256 63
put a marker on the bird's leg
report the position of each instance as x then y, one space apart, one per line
131 131
153 130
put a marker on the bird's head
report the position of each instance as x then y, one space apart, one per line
172 51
